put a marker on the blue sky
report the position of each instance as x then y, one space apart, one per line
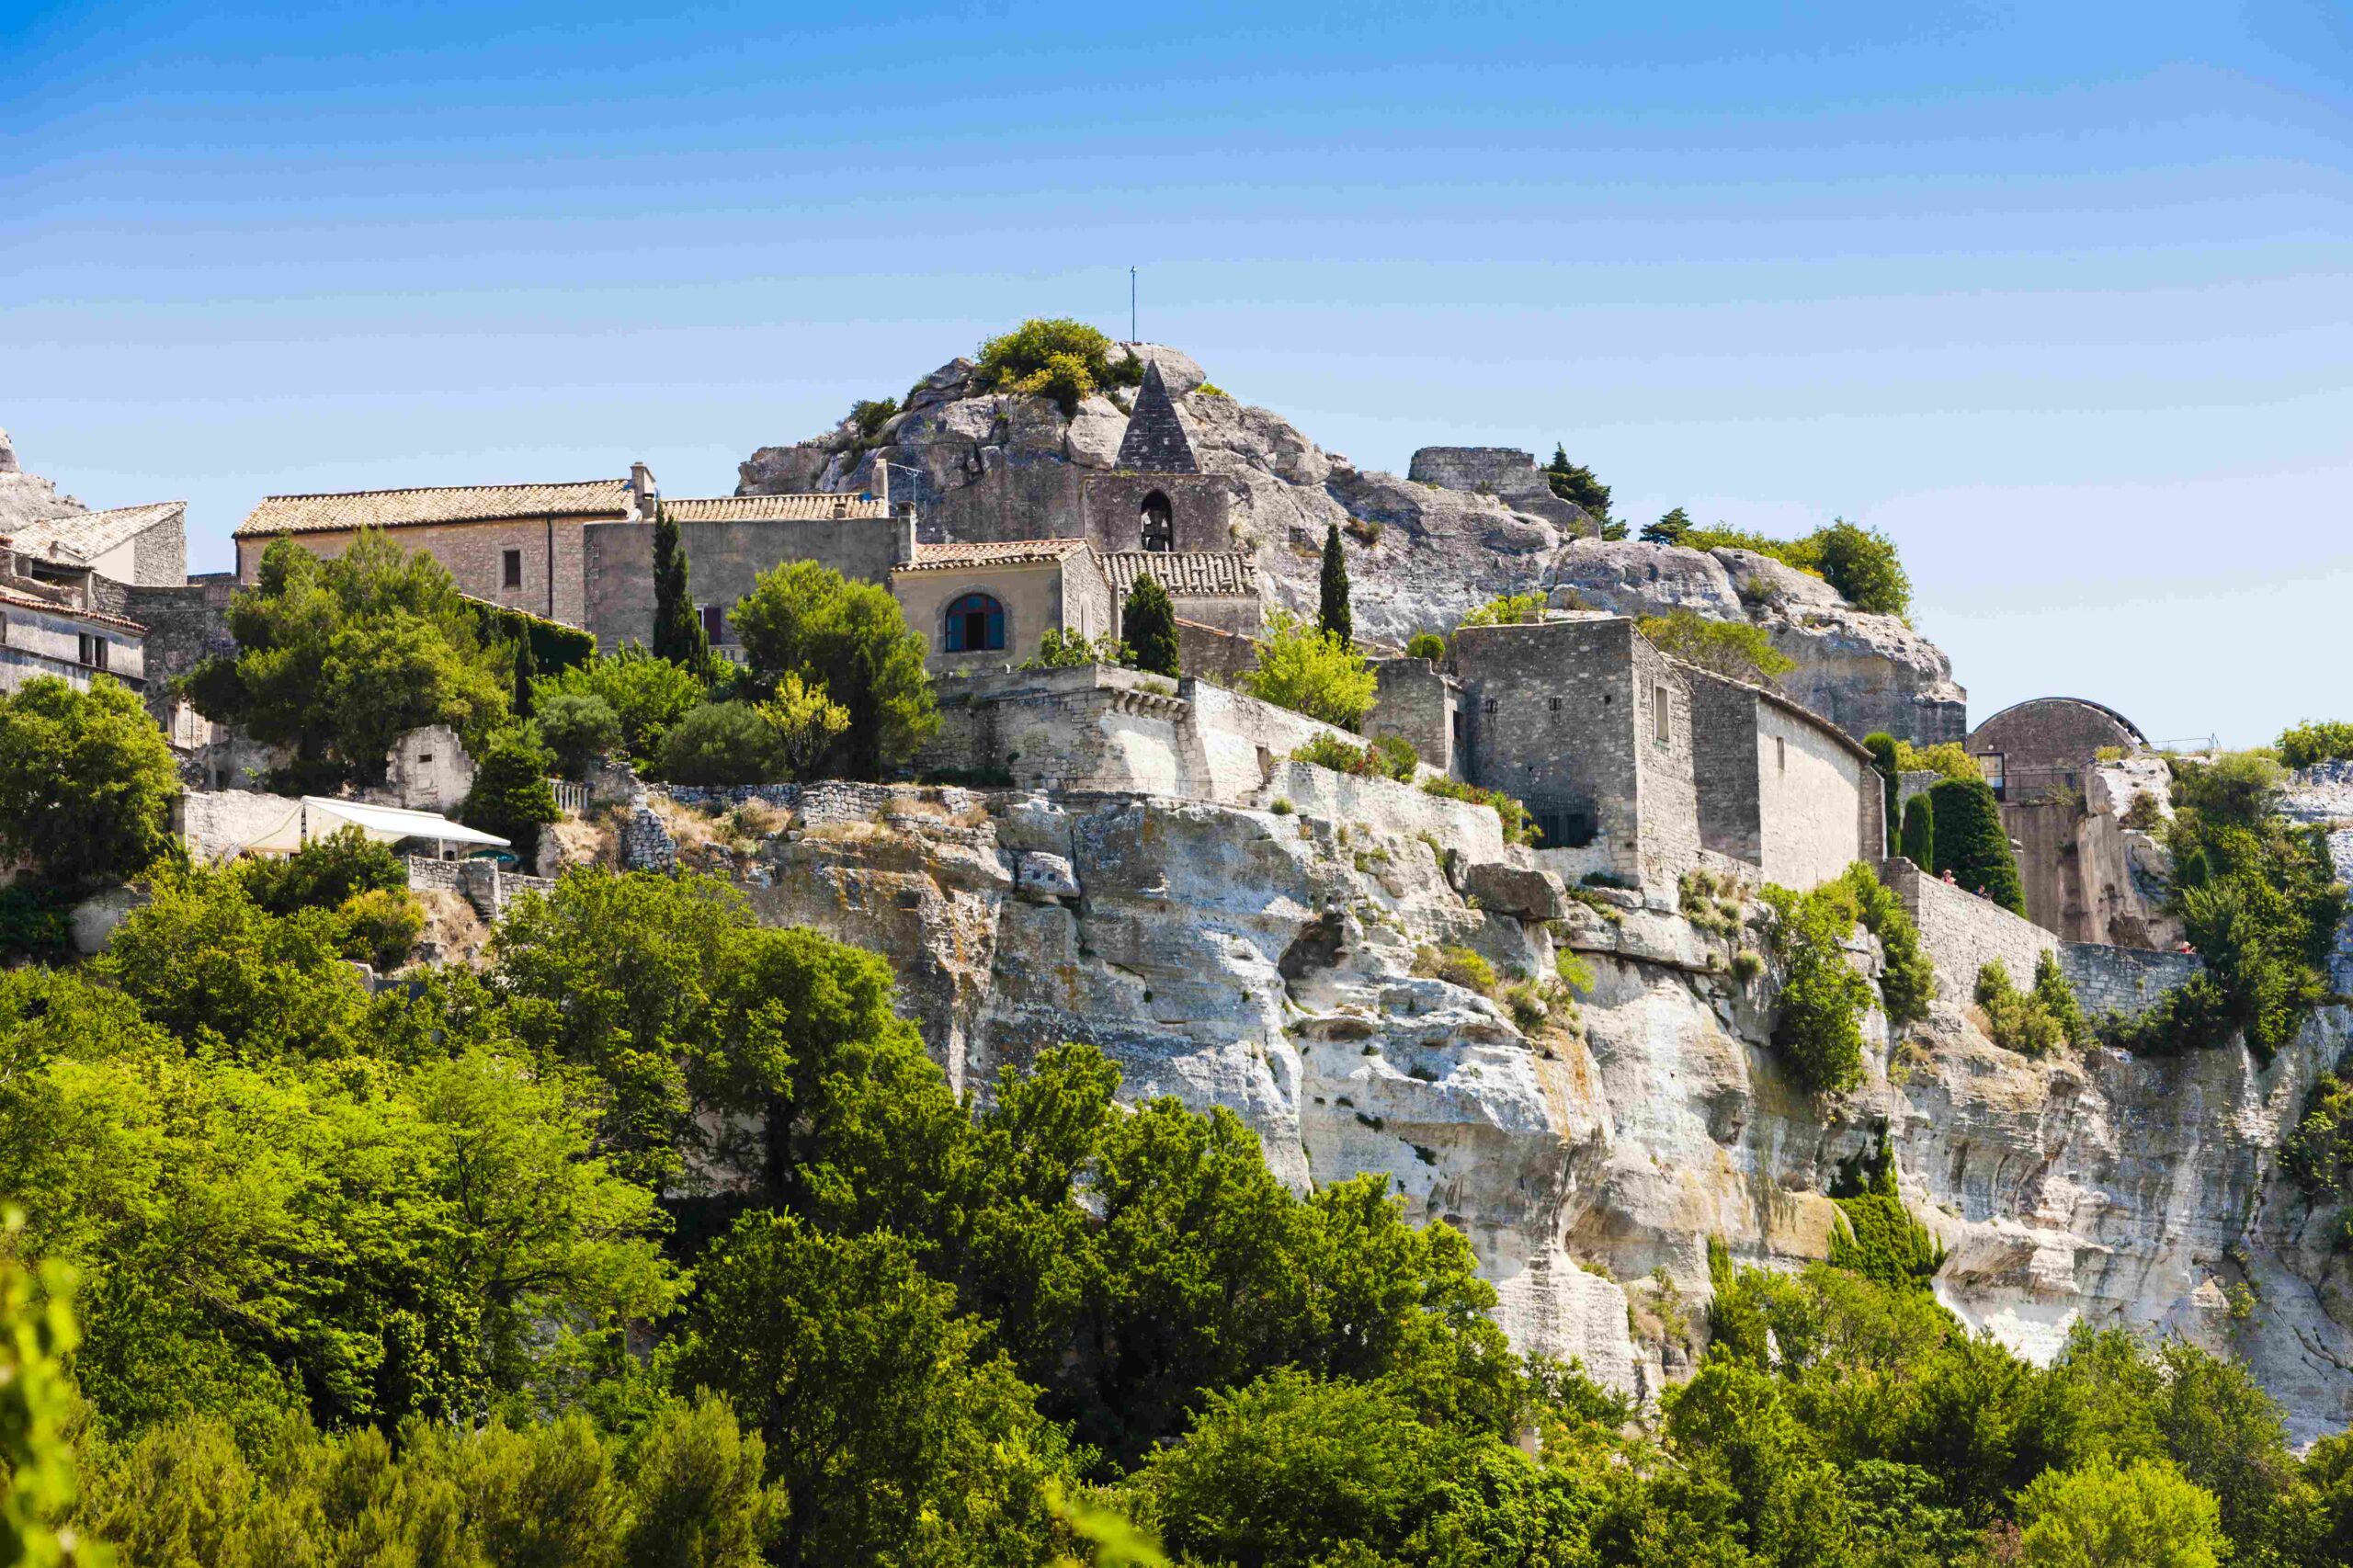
2059 296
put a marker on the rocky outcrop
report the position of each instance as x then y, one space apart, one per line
27 497
1287 966
1469 523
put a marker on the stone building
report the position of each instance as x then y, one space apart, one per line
984 607
1218 589
2085 877
1780 788
143 546
1156 498
56 629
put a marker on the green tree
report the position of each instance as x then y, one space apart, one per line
806 721
2145 1515
1055 358
1426 645
889 1429
338 659
1823 999
38 1412
1887 760
698 1489
1575 484
679 635
1920 832
577 728
1971 843
86 782
1669 529
1331 614
1148 624
645 693
2301 745
1311 672
321 874
1861 563
725 742
1733 648
807 619
511 796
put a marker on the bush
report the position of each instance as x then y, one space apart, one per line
1148 622
35 922
868 416
1311 672
1671 528
806 722
380 926
1426 645
511 796
646 694
1880 1241
1517 828
1061 648
86 782
2147 1515
1919 845
2301 745
1861 563
1733 648
325 873
1388 756
1456 966
851 640
1972 843
578 728
1823 999
1907 980
724 742
1058 358
1507 609
2025 1021
2237 789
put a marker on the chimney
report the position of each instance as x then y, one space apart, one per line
882 482
906 533
642 489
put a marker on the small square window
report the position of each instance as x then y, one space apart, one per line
1556 704
510 569
1488 706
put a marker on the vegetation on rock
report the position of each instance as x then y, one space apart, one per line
1575 484
1733 648
1332 615
2041 1021
647 693
2301 745
1386 757
1311 672
1058 358
1507 610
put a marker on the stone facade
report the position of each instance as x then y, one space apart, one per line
724 556
1961 932
1415 701
427 769
1779 788
216 824
527 563
1214 653
1114 508
1033 592
2124 981
62 640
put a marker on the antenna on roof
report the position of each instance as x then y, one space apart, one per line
1131 304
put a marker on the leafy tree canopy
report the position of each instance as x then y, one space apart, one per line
86 782
1311 672
807 619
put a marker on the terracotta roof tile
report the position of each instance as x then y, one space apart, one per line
448 503
999 552
82 537
1186 574
814 506
69 612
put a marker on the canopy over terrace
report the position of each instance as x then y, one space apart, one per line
317 817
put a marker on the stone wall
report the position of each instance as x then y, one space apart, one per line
1200 509
185 624
551 551
2126 981
216 824
1386 807
1820 804
1724 769
723 559
1213 654
49 642
1417 701
617 583
427 769
1035 595
159 552
1961 932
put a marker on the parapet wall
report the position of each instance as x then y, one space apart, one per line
1961 932
2124 981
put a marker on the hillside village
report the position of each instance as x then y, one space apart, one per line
1643 908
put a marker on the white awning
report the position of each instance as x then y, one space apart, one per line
317 817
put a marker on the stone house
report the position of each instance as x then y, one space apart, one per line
144 546
984 607
1780 788
54 628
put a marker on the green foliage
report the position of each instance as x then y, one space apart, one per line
679 635
722 743
1671 528
807 619
511 796
1880 1241
577 728
1311 672
1507 610
338 659
1946 759
1886 754
2316 1153
868 416
1733 648
2100 1517
1148 621
1907 980
1972 845
1210 388
1457 966
806 722
646 693
35 921
1862 565
1059 649
1058 358
361 884
1919 840
38 1410
1574 484
2039 1022
2314 740
537 646
1426 645
2236 788
1333 616
1823 1000
1513 814
1386 757
86 782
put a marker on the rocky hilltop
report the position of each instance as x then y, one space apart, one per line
1466 525
27 497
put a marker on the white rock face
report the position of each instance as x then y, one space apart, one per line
27 497
1268 962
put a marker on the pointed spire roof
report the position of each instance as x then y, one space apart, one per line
1156 441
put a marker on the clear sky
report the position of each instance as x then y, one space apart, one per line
2060 296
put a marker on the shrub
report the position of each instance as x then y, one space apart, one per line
2145 814
2013 1018
577 727
1972 843
1058 358
2301 745
1210 388
35 921
511 796
806 721
1919 844
868 416
1061 648
1907 980
646 694
2236 788
1946 759
1457 966
1880 1241
86 782
1386 757
1747 965
1507 609
1733 648
1862 565
2147 1515
1311 672
380 926
724 742
1823 999
1671 528
1573 972
2316 1153
1517 828
325 873
1281 807
1148 620
1426 645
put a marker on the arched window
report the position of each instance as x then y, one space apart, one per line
1159 523
975 625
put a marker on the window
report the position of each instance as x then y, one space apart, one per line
1555 704
1658 706
1488 706
1781 755
975 625
510 569
1159 525
94 650
714 623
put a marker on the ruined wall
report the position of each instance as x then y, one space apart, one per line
186 624
2127 981
216 824
1961 932
1414 700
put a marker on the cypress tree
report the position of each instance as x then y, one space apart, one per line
678 634
1148 626
1333 614
1970 842
1920 832
1883 749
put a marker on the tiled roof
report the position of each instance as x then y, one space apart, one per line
806 508
70 612
1186 574
448 503
82 537
1003 553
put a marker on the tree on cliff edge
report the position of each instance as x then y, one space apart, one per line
1332 613
1970 841
678 634
1148 626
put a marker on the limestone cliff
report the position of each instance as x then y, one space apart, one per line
1424 549
1279 962
27 497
